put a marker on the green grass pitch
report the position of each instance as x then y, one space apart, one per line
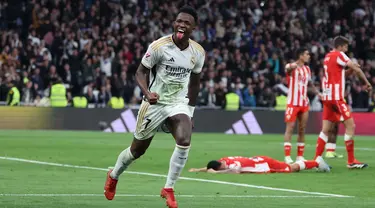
30 184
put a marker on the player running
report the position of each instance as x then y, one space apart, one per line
298 75
335 108
174 64
260 164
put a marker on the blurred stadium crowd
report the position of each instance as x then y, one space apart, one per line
95 46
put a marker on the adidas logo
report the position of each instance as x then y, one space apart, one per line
247 125
171 60
126 123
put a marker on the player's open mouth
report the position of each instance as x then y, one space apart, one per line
180 33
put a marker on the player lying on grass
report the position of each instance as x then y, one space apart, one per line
260 164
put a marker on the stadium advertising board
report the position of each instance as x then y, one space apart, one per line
210 121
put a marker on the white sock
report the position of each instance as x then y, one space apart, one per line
347 137
323 136
177 163
302 165
331 146
123 161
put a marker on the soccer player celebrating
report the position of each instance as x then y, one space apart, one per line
299 78
259 164
174 64
335 108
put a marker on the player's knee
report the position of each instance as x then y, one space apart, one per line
290 127
137 152
183 140
351 126
301 129
326 132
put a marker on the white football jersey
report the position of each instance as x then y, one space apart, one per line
170 68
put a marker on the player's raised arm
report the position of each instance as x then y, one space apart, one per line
290 67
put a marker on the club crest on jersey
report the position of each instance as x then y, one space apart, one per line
301 78
147 55
287 117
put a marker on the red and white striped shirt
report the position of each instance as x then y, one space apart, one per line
298 80
247 164
334 75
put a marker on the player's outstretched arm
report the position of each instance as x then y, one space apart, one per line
198 169
349 72
233 171
356 68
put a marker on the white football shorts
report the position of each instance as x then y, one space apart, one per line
151 117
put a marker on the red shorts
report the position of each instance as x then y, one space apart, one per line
336 111
277 166
292 112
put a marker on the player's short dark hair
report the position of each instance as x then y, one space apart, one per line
189 10
300 52
340 41
213 164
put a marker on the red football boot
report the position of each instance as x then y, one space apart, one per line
110 187
168 194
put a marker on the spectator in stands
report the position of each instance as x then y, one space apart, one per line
95 41
28 93
91 99
104 96
249 97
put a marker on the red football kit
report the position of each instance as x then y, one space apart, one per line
298 102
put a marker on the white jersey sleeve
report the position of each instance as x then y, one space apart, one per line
342 59
199 65
152 56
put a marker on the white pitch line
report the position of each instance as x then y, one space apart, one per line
149 195
182 178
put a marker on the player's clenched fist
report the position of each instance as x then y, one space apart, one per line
152 97
291 66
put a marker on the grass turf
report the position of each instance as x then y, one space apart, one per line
96 149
